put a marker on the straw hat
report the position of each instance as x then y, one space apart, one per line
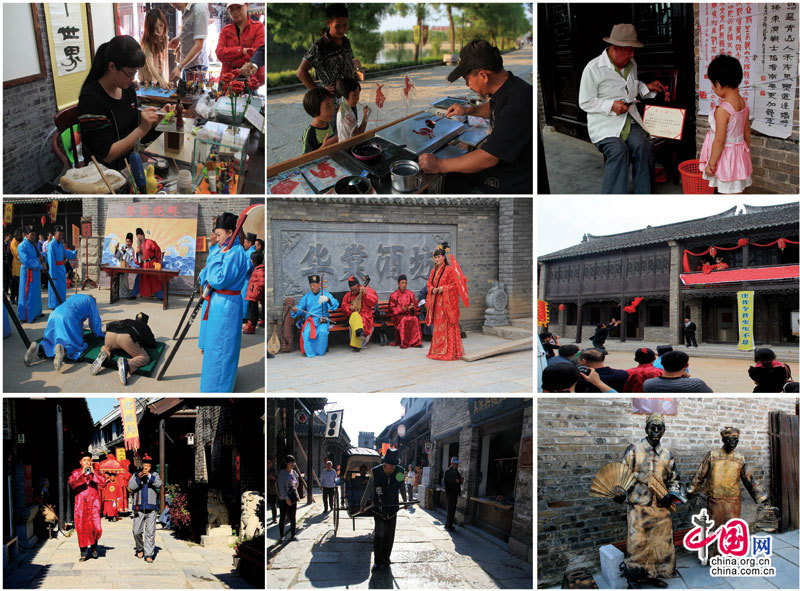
623 35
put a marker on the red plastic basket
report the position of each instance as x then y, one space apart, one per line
692 179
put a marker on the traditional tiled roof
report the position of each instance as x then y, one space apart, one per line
437 201
756 217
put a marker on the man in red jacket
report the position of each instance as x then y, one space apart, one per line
239 40
148 253
255 292
360 320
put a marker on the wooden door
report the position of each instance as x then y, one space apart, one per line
783 441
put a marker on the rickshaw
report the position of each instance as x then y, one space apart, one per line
353 485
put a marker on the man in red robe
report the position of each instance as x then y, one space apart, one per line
360 321
403 308
112 497
148 253
87 484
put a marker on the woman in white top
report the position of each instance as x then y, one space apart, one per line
154 44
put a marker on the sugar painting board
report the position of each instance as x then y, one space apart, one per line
289 183
446 102
411 132
324 173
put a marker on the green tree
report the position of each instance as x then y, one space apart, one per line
421 11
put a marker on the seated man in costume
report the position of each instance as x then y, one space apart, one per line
360 312
63 335
56 258
148 253
125 254
403 308
314 306
131 336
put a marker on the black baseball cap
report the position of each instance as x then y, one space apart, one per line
476 55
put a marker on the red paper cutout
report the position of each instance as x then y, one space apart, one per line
379 96
408 87
324 170
427 131
284 187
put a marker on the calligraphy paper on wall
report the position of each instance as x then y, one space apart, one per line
66 31
289 183
776 68
732 29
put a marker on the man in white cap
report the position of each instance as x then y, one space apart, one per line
608 93
452 488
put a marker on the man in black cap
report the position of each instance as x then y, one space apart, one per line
504 163
131 336
313 308
385 481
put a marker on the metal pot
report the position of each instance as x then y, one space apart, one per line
405 175
352 185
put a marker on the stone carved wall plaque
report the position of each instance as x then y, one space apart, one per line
341 249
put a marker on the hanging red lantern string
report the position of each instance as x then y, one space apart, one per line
561 307
712 250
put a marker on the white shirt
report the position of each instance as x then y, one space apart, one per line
601 85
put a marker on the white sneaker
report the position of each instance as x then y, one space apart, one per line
31 355
122 370
58 361
97 364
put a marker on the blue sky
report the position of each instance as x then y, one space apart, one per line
100 407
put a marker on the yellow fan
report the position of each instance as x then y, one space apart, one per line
610 479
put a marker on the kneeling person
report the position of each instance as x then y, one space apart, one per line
131 336
63 335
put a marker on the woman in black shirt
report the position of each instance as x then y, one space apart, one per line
108 110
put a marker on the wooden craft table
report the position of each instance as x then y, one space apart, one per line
163 274
429 183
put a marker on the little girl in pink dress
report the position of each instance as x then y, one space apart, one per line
725 157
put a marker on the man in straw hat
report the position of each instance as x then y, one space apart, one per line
720 471
609 87
649 502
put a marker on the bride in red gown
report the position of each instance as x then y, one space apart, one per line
445 284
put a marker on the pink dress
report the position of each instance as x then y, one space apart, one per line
734 167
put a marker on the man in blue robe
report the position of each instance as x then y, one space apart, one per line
249 248
221 314
212 248
63 336
56 255
314 336
30 287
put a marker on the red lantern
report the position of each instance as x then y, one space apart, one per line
743 241
712 251
561 307
43 220
782 243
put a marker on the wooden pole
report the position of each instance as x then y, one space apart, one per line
105 180
303 451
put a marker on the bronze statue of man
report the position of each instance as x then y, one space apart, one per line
720 471
651 552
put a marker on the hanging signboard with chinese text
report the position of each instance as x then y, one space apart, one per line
70 50
745 301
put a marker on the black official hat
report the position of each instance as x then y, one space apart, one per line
58 228
139 231
476 55
128 236
313 279
351 281
84 454
28 229
251 237
391 457
142 317
226 221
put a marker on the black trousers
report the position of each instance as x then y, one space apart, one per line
271 502
327 494
383 540
410 492
452 501
14 288
689 337
287 511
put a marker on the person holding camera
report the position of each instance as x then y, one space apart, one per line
87 484
287 496
145 485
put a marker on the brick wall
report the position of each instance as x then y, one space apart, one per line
210 425
576 437
28 111
515 263
477 234
775 163
519 543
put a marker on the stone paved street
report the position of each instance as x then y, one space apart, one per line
424 556
402 370
178 564
286 118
